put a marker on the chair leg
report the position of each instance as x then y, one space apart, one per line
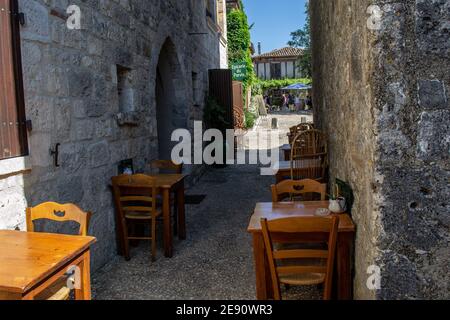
125 241
153 240
175 218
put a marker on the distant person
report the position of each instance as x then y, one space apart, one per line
291 102
285 101
308 102
291 99
297 103
267 100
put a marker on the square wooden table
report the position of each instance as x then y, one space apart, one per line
31 262
172 183
273 211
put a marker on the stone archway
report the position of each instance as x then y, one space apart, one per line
170 94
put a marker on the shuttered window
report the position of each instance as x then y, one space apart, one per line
13 134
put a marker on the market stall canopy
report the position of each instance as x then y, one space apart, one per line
298 86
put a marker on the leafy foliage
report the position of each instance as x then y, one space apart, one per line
301 38
214 115
239 43
260 86
250 119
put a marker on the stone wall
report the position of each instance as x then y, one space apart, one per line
413 148
343 102
382 97
70 79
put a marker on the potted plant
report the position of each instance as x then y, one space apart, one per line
337 203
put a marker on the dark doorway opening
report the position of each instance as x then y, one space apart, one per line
171 108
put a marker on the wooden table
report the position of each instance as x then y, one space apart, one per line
273 211
286 149
172 183
284 170
31 262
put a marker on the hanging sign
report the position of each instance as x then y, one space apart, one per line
239 70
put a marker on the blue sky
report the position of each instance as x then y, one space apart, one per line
274 21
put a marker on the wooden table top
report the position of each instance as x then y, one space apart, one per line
27 258
168 180
280 210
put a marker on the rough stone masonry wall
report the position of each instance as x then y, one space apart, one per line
70 81
343 103
412 102
389 135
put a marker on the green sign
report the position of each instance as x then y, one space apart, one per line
239 71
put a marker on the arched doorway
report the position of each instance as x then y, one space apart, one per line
171 108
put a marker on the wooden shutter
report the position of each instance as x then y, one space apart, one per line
221 88
13 135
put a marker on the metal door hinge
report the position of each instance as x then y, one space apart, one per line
55 154
29 125
20 16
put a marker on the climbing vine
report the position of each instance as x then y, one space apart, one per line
239 43
260 86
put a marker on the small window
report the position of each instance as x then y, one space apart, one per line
13 133
125 89
275 70
211 9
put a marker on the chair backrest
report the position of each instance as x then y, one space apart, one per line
288 189
167 166
295 130
58 212
134 193
309 155
309 143
294 229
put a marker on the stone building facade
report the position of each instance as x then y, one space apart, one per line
382 83
110 91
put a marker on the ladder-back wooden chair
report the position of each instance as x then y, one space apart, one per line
309 156
59 213
135 199
300 267
292 189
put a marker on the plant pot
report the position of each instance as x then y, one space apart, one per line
335 206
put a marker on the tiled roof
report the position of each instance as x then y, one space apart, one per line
281 53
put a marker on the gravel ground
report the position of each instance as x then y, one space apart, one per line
216 260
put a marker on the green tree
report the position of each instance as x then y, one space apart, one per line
301 38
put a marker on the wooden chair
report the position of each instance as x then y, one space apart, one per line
309 156
59 213
292 188
135 198
300 267
295 130
168 166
